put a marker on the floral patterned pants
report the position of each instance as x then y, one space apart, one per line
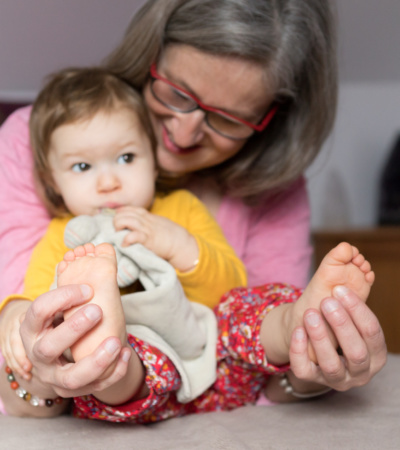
242 368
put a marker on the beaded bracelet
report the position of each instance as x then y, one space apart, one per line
27 396
288 388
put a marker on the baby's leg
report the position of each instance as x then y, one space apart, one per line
343 265
96 266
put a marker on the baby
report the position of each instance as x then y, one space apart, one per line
94 151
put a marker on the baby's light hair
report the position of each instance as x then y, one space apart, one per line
69 96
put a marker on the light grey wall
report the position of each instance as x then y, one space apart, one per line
369 40
344 180
40 36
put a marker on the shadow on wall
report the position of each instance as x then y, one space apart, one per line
389 198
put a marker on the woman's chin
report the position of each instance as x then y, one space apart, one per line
168 164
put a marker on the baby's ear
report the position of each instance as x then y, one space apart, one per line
80 230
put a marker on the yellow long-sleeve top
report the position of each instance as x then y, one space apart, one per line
218 269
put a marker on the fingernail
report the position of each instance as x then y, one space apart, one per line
92 313
86 291
126 356
312 319
299 334
340 291
111 347
330 305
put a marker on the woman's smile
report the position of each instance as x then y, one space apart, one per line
172 147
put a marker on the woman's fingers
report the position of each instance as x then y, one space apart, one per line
300 362
356 328
353 346
43 310
330 370
369 331
68 379
119 371
52 344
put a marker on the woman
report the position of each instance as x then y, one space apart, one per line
241 95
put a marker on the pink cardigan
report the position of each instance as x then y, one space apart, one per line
272 239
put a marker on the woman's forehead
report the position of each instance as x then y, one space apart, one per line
230 83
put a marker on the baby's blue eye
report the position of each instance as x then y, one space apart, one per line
126 158
80 167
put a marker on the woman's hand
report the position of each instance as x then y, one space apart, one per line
45 344
363 349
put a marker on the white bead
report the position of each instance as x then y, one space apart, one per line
20 392
34 401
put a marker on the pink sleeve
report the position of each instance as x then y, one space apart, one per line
273 238
23 217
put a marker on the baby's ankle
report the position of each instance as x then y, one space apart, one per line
275 334
293 318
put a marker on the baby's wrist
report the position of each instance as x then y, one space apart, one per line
186 256
16 306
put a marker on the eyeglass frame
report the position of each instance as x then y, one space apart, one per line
200 105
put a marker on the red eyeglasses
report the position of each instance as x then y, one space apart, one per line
225 124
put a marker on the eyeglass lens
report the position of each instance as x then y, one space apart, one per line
177 100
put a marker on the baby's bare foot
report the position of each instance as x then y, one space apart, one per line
343 265
96 266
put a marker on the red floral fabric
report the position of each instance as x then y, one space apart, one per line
242 368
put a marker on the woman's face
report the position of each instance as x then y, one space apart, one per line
185 142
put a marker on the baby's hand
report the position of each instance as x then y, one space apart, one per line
165 238
11 344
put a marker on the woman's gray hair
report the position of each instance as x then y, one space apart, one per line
294 40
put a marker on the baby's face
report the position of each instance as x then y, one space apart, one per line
103 162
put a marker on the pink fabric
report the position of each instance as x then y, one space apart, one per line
23 217
272 239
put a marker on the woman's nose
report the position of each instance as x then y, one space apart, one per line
107 181
187 129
